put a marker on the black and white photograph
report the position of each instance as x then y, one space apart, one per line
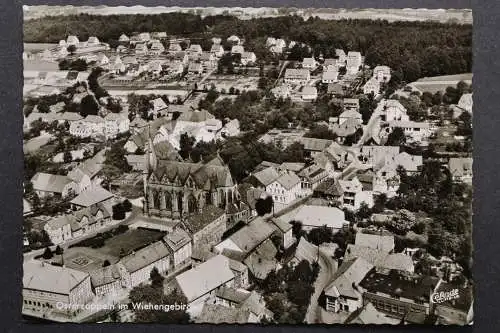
229 165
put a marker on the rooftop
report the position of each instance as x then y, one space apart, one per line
199 221
44 277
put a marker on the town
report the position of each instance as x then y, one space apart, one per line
246 175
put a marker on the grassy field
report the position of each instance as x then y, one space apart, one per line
130 241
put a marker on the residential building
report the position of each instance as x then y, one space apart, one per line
283 186
391 110
141 49
350 115
115 123
330 76
135 268
72 40
297 76
207 227
123 38
201 283
415 131
106 281
382 74
237 49
59 229
45 184
195 68
92 196
46 286
156 48
234 39
351 194
313 217
309 63
217 50
313 146
353 62
310 178
248 58
465 102
461 169
309 93
372 86
284 231
174 47
344 293
341 56
179 243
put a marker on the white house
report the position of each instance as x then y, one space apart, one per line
351 194
309 63
416 131
217 50
234 39
330 76
115 123
382 74
354 62
237 49
248 58
123 38
313 217
465 102
136 267
284 186
215 273
391 110
297 76
309 93
72 40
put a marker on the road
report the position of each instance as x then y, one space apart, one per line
367 131
327 269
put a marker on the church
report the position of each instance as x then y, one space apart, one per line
176 190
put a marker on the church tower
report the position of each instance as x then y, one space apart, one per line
150 165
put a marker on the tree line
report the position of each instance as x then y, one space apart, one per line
411 49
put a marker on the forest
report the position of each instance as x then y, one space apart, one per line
411 49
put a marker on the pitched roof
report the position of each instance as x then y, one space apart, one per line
379 242
317 216
195 116
208 215
262 261
104 275
59 222
347 277
219 314
315 144
145 256
367 315
55 279
91 196
49 183
288 180
460 165
252 235
306 251
233 295
214 272
267 176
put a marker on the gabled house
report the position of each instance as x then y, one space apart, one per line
195 68
391 110
297 76
330 76
248 58
123 38
174 47
312 216
343 293
141 49
195 49
311 177
156 48
382 74
217 50
216 275
179 243
45 184
309 93
461 169
353 62
465 102
309 63
237 49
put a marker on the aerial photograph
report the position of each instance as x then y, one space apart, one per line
269 166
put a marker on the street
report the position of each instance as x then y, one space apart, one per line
327 269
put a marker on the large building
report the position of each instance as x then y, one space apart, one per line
179 189
45 287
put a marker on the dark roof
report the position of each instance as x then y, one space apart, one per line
72 75
104 275
328 187
199 221
399 284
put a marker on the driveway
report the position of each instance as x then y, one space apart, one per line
327 269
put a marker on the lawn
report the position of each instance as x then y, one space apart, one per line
130 241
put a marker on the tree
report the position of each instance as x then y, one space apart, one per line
115 157
264 206
396 138
186 143
67 157
106 263
59 251
127 205
156 278
71 49
118 212
47 254
89 106
320 235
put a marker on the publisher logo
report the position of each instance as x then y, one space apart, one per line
444 296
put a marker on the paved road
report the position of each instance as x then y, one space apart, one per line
327 269
367 131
